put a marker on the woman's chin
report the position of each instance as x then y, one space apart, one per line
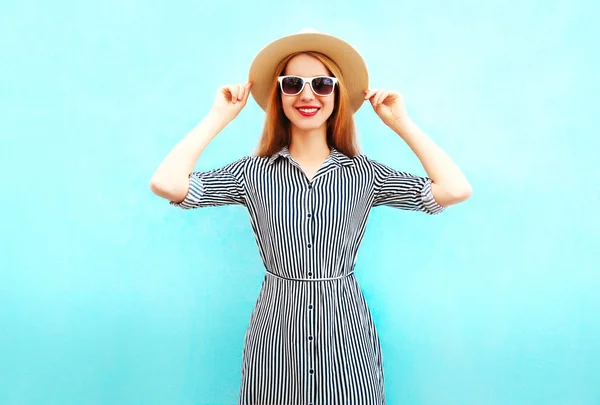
309 126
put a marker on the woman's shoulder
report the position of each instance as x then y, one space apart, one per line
368 160
362 159
253 162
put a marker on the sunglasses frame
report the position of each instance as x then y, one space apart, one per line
309 81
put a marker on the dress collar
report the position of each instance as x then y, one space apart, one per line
335 156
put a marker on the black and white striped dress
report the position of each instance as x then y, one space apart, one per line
311 339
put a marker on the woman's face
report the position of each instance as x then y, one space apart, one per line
299 109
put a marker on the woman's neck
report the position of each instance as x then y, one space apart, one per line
309 145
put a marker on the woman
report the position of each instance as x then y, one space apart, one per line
311 338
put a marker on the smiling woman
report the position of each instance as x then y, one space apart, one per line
309 191
293 99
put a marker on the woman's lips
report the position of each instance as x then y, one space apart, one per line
307 111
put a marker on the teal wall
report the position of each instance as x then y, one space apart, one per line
108 295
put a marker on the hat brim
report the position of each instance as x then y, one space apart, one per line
351 64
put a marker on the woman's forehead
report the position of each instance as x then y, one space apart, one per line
305 65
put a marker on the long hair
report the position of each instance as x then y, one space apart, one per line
341 133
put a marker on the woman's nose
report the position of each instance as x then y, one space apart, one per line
307 93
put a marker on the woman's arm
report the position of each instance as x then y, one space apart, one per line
449 185
171 179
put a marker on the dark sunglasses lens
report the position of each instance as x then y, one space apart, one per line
292 85
322 85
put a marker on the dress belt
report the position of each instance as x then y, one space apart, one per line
310 279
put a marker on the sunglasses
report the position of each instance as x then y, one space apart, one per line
320 85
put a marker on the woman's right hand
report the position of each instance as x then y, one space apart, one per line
231 99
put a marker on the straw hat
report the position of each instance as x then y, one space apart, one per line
352 65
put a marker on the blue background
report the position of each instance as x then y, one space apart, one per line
108 295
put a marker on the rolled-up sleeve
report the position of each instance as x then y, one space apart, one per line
402 190
222 186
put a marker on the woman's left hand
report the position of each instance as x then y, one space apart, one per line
389 106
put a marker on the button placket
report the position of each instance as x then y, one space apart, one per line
311 226
310 338
310 343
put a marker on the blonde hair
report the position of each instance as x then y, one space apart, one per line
341 133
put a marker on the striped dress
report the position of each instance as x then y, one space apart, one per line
311 339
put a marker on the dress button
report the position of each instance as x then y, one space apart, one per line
310 186
310 306
309 215
310 338
311 371
310 273
309 245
